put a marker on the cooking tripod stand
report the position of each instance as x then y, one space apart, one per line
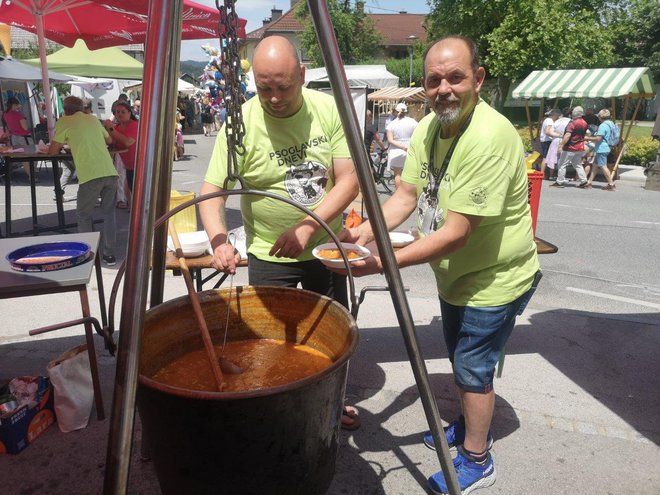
155 148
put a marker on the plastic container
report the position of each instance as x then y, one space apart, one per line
186 220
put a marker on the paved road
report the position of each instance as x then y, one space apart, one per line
577 409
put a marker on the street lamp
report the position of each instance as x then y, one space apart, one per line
411 39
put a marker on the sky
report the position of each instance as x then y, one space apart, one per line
254 11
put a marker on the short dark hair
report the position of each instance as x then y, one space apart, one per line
12 101
72 104
475 60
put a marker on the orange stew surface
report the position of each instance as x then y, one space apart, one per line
266 363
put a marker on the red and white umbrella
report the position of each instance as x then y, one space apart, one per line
101 23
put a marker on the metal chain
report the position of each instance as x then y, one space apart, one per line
230 68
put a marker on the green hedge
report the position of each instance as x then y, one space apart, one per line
639 151
524 135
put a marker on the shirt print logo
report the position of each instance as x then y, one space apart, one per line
306 182
478 196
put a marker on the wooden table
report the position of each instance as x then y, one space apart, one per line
199 263
16 284
196 265
31 156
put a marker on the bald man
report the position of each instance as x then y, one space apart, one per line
294 147
465 176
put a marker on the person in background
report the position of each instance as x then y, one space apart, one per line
68 169
371 133
121 98
319 175
137 107
573 149
219 111
602 150
558 129
390 117
207 117
465 174
96 174
398 138
546 134
591 119
124 137
189 112
17 125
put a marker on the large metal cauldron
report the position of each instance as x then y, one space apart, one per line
279 441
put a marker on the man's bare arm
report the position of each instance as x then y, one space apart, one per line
212 212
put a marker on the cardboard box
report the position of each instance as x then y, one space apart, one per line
19 429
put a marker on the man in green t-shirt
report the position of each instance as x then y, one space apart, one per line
294 147
97 176
465 176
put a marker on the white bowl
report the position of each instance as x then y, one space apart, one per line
192 243
364 253
400 239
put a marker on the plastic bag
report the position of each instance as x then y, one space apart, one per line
71 377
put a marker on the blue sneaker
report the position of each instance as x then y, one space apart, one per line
455 435
471 476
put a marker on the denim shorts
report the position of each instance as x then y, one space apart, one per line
475 337
601 159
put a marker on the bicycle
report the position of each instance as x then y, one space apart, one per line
379 170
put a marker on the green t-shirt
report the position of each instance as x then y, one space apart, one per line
86 137
291 157
486 177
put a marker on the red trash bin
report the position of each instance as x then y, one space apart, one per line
534 182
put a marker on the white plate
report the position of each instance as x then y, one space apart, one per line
400 239
364 253
192 243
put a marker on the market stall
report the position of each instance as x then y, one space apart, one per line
626 83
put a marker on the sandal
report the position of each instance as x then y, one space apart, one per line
122 205
350 420
609 187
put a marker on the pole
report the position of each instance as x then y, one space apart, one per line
41 41
330 50
412 39
163 32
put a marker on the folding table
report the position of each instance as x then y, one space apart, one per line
15 284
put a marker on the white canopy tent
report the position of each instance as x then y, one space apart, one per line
370 76
182 87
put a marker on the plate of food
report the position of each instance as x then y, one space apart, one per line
400 239
49 256
330 255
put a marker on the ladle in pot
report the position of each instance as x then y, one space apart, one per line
218 365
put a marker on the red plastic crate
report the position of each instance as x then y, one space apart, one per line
534 183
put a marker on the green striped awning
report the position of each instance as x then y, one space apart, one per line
587 83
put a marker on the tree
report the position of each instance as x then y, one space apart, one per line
541 34
356 34
517 36
400 67
635 26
